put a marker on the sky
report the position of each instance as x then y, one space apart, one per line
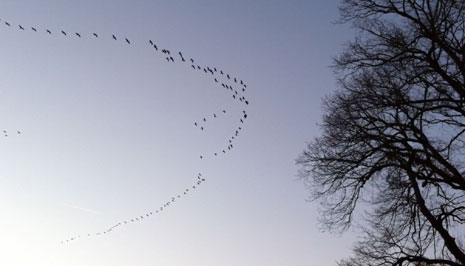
107 132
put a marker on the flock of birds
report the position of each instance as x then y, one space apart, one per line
5 132
230 83
199 180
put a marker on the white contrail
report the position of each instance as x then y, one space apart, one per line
79 208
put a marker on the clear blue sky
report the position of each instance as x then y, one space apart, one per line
107 132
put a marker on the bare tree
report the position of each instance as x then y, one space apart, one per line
392 141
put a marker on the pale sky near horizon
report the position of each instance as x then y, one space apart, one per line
107 132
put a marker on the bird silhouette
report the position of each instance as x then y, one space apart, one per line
34 29
128 41
114 37
79 35
155 46
150 41
96 35
49 32
8 24
21 27
64 33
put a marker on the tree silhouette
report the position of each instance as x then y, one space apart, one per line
392 143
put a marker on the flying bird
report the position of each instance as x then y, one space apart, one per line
95 34
21 27
8 24
150 41
114 37
64 33
49 32
128 41
79 35
34 29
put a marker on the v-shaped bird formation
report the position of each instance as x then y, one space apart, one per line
235 87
